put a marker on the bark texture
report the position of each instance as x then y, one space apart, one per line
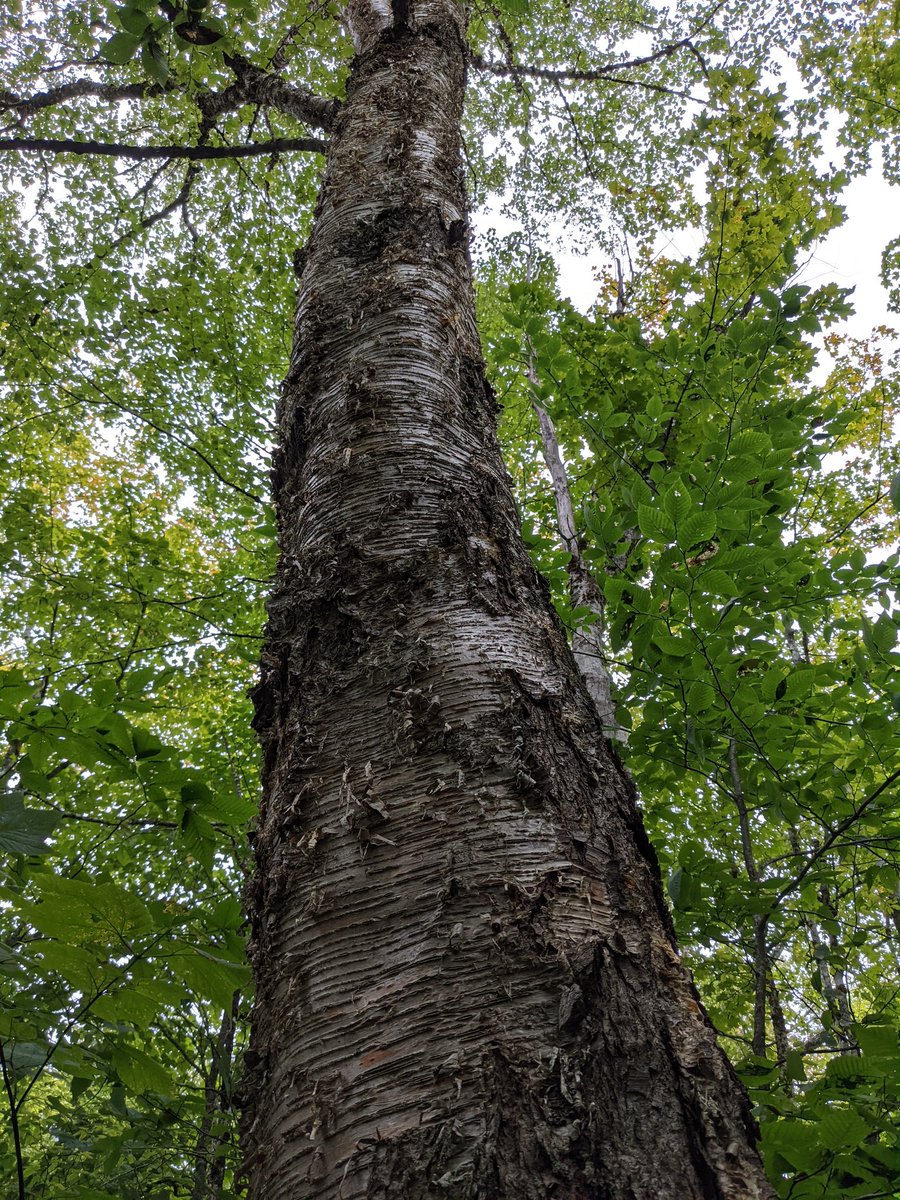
467 985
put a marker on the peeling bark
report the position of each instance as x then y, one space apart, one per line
467 984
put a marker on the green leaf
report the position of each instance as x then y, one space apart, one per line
128 1004
80 912
884 634
684 889
199 837
140 1072
209 976
134 21
795 1140
655 524
120 48
843 1127
749 442
155 62
878 1040
677 506
718 583
793 1065
78 966
800 682
700 696
25 1057
894 490
24 830
698 527
679 647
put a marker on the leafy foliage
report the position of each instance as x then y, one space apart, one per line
737 504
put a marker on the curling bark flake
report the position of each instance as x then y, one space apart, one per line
466 980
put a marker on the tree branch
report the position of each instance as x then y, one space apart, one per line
833 836
252 85
180 201
14 1123
557 76
194 153
27 106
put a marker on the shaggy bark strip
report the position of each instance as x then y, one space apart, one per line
466 980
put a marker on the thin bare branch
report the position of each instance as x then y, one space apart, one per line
193 153
836 832
584 76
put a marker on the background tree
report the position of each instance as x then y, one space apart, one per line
137 544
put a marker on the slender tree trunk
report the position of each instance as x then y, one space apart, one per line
760 955
467 985
588 637
209 1172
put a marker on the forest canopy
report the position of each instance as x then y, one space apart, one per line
706 469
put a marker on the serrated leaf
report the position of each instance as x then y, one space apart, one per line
696 528
24 1057
718 583
84 913
741 470
750 442
843 1127
677 506
78 966
878 1040
800 682
199 837
127 1004
655 524
845 1067
793 1065
700 696
678 647
884 634
684 889
794 1140
209 977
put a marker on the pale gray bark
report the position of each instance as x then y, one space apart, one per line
466 980
588 636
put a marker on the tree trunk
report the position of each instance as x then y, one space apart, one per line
466 980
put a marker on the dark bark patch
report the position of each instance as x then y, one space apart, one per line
369 239
457 234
